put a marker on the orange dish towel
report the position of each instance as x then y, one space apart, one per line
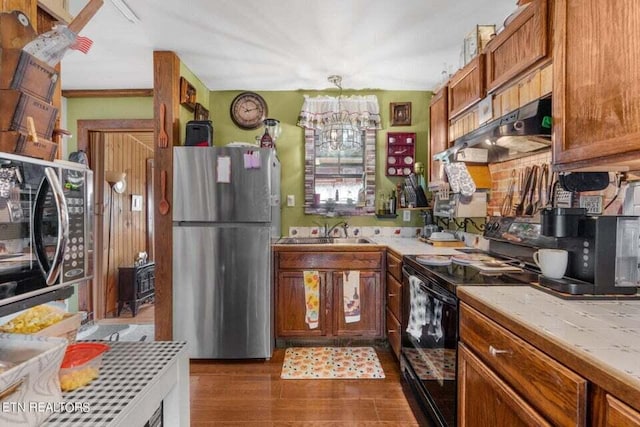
351 296
312 298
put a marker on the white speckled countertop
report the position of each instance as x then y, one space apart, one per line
605 334
412 246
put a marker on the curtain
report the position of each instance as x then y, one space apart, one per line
320 111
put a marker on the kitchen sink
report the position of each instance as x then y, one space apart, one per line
323 241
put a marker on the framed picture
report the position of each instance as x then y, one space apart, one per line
187 94
200 112
400 114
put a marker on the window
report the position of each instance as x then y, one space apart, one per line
339 180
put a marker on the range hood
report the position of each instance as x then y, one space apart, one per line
516 134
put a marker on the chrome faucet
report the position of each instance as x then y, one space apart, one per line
326 230
342 224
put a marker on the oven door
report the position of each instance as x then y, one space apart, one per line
429 343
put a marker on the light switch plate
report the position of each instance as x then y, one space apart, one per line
406 216
291 200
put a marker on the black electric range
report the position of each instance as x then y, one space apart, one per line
430 328
456 274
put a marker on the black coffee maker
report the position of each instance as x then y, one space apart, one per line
604 251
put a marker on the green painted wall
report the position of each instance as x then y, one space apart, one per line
285 106
104 108
202 97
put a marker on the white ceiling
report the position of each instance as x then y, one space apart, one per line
281 44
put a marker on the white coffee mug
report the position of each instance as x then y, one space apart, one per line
552 262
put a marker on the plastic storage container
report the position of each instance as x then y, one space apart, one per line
81 365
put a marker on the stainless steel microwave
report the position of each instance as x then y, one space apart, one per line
46 228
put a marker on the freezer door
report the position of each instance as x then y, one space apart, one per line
222 291
217 184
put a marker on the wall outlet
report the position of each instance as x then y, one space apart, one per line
291 200
406 216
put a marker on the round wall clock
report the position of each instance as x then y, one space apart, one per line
248 110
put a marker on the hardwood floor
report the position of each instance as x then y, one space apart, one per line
251 393
145 315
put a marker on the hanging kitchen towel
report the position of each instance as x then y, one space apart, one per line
351 296
435 325
312 298
418 308
460 179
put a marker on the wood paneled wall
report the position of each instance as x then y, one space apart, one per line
124 152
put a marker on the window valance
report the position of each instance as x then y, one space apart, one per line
320 111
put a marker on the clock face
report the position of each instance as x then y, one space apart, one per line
248 110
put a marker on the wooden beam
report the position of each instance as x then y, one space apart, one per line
166 86
106 93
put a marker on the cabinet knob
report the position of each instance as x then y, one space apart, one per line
393 295
494 351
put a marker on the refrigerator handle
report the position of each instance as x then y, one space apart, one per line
50 180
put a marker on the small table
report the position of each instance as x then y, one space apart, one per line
135 285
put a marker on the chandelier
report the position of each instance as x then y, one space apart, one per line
339 132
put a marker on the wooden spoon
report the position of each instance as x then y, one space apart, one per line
163 207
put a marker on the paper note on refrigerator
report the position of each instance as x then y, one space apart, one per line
223 169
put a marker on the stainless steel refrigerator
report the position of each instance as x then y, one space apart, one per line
226 211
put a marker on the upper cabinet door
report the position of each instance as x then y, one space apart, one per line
520 45
596 91
466 87
439 130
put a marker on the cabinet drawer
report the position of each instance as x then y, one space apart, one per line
330 260
558 393
394 266
393 332
394 296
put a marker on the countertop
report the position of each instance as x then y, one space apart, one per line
400 245
600 340
412 246
134 378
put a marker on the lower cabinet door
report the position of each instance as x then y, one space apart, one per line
485 400
294 306
358 312
620 414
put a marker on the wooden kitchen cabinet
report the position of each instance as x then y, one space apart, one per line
620 414
439 130
394 301
596 93
485 400
522 44
370 296
290 306
466 86
525 374
331 265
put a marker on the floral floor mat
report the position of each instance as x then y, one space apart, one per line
331 363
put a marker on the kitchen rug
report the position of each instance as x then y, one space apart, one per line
303 363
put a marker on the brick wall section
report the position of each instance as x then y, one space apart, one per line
501 176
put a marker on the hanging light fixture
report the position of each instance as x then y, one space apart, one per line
340 133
